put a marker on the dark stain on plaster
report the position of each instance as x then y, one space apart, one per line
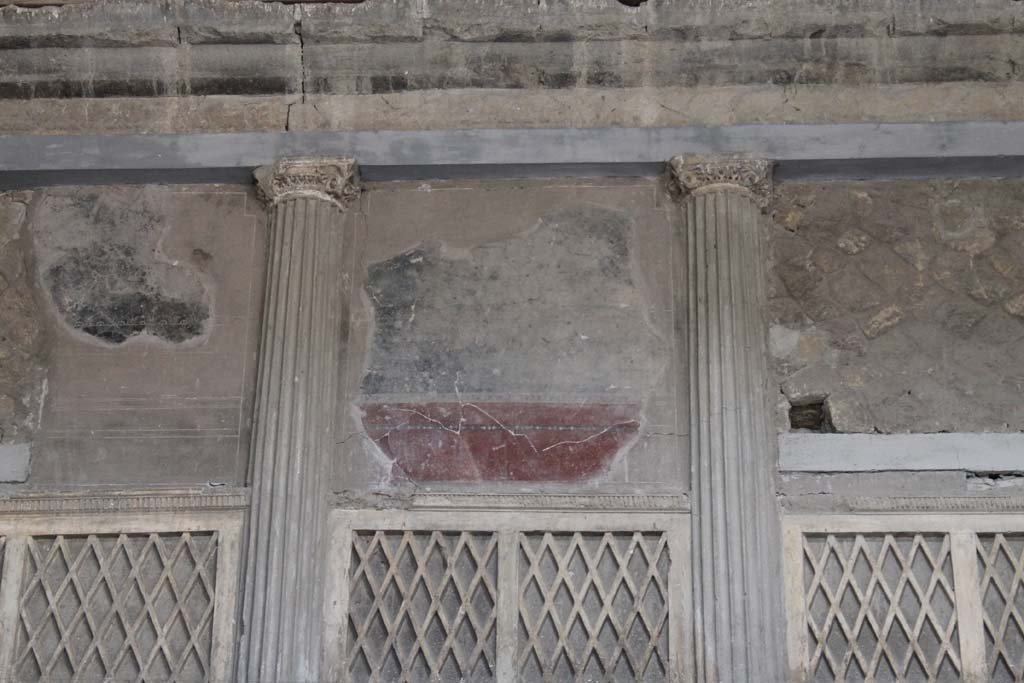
105 292
115 267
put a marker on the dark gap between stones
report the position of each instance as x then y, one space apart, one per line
812 416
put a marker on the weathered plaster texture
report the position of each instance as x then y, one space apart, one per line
512 332
552 317
22 342
100 259
152 297
900 303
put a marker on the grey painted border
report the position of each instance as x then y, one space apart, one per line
802 151
976 452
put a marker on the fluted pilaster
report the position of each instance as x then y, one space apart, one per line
283 605
737 586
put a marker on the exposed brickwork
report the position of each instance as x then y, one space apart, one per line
902 303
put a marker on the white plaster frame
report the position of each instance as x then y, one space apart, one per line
506 524
17 528
971 452
962 529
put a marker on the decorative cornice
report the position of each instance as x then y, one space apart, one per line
535 501
332 180
698 175
129 501
908 504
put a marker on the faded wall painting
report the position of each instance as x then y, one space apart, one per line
520 341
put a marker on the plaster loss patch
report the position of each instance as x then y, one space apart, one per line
100 260
526 359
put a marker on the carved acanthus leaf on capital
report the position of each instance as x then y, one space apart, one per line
332 180
694 175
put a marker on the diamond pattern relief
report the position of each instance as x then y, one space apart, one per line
117 607
422 606
1001 570
593 606
880 607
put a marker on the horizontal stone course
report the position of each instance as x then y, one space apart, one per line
149 72
388 46
168 22
385 68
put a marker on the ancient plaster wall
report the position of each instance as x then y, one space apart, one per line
901 304
23 345
525 320
152 298
515 333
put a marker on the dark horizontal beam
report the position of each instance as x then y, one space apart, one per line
827 151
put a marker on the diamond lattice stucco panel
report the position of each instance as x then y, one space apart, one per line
880 607
422 606
117 606
1001 571
509 593
593 606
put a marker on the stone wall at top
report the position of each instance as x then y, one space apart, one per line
177 65
899 305
176 47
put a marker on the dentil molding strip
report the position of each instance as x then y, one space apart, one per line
144 500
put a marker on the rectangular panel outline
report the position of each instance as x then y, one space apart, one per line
507 524
962 529
17 530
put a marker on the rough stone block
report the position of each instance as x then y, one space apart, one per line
528 20
88 72
241 70
953 17
378 21
740 19
141 115
357 69
341 69
1015 306
106 24
242 21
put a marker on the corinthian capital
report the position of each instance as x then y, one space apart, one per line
696 175
332 180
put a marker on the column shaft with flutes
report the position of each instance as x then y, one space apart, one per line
292 441
737 583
